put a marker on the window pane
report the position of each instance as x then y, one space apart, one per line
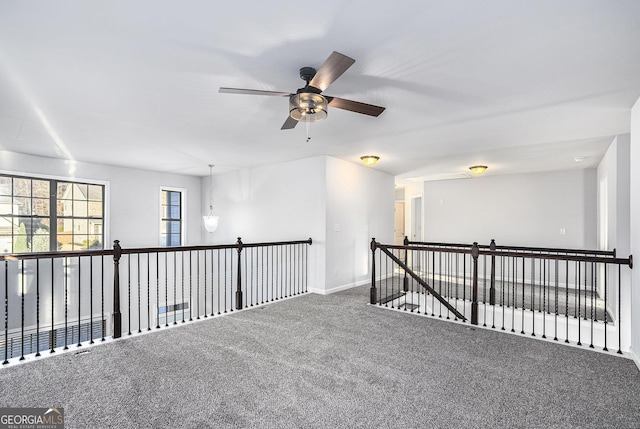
21 187
95 192
175 212
65 241
80 208
21 206
6 204
64 208
65 226
95 209
6 244
95 242
40 188
64 190
40 243
175 239
40 206
80 192
5 185
20 244
174 198
95 227
80 226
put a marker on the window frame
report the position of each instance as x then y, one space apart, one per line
183 220
54 179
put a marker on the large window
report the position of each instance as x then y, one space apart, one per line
171 222
42 215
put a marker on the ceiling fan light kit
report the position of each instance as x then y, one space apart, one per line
308 107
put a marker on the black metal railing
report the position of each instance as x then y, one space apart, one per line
59 299
571 294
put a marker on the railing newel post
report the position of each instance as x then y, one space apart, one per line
239 284
117 316
373 293
475 252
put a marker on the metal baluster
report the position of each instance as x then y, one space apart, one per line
148 291
555 332
79 300
90 299
66 331
175 285
37 307
191 286
102 319
138 287
166 290
204 257
129 290
502 281
533 294
6 313
605 307
619 311
566 301
579 309
182 284
158 290
52 338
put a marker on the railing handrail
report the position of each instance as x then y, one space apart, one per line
134 250
518 248
516 254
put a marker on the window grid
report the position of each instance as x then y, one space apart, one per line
41 215
171 223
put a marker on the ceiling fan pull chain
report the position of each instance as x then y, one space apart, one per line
308 136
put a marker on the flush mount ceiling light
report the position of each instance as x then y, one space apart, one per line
369 159
478 169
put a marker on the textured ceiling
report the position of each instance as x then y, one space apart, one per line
519 86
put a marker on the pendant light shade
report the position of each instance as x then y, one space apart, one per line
210 220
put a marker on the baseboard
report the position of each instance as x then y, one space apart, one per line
635 358
340 288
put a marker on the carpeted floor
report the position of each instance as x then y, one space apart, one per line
329 362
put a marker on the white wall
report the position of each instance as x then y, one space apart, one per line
614 170
133 195
340 205
521 209
360 206
635 229
613 221
276 202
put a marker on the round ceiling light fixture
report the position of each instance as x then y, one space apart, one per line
478 169
370 159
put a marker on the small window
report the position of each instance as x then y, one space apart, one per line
171 223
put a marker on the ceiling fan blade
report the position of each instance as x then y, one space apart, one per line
355 106
330 70
289 123
253 92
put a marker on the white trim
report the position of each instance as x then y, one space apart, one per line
183 212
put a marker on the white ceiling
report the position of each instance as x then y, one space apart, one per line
519 86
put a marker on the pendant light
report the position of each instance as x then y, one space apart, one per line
210 220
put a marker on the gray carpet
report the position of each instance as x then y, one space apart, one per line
330 362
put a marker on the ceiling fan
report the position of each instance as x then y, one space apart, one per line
308 104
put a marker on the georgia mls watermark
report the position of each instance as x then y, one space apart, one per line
31 418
